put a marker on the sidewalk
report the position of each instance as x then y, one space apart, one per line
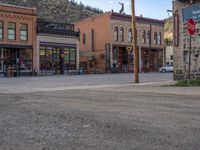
163 87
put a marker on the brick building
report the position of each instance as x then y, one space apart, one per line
17 40
183 10
106 42
57 48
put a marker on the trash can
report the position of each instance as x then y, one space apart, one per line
81 72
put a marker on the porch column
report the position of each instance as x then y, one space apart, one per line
111 55
140 59
1 58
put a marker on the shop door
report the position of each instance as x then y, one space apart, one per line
55 61
11 61
58 61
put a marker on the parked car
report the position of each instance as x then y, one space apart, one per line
168 68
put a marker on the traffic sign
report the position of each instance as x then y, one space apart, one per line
191 26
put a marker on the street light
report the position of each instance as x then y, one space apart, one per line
136 53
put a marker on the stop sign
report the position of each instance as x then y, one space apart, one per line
191 26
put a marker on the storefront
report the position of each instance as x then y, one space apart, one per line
152 60
122 59
17 59
57 58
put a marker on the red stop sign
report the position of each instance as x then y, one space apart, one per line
191 26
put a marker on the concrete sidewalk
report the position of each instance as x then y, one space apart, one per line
164 87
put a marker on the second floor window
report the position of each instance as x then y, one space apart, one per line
159 38
24 32
155 38
130 35
84 38
1 29
11 31
116 34
121 34
144 37
148 37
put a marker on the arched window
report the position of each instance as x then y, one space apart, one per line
143 36
155 38
148 37
159 38
116 33
121 34
130 35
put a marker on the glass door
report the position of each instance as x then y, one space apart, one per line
56 61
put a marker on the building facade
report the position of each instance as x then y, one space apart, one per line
57 48
183 10
17 40
106 42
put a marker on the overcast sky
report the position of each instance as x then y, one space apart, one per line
148 8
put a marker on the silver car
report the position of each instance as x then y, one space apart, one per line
168 68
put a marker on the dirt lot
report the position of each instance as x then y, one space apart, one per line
99 119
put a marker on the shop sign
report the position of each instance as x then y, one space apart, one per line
192 12
176 29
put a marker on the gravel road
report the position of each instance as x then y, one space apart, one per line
99 119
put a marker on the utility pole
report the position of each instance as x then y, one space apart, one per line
136 53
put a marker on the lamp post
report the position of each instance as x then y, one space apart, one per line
136 53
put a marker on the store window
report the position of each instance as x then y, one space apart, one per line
1 30
72 58
121 34
130 35
116 33
11 31
55 60
24 32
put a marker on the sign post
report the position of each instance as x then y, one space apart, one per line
191 31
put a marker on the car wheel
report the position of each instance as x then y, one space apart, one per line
163 70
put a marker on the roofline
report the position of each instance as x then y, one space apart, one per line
92 17
16 6
139 18
125 16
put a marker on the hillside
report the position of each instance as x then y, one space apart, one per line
57 10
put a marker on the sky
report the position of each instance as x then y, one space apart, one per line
156 9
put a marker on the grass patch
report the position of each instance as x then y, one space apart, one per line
185 83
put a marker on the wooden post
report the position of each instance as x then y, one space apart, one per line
136 53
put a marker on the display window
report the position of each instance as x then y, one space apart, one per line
57 59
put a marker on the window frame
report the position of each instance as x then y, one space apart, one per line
10 29
155 38
26 30
2 28
116 33
121 34
130 35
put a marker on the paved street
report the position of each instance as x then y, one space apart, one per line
34 84
97 112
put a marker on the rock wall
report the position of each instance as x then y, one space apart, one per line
181 46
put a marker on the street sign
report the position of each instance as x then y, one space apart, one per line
191 26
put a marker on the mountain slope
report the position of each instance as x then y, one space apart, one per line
57 10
